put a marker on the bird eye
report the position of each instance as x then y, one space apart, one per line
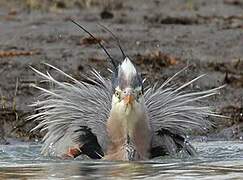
117 94
140 93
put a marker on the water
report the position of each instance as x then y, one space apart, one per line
215 160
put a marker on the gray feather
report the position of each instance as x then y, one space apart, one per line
66 107
178 112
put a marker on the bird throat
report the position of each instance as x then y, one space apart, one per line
123 125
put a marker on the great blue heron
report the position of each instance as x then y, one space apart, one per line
116 118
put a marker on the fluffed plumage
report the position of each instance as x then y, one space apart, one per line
75 115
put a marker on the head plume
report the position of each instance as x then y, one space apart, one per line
113 62
125 75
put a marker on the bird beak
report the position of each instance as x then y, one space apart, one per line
128 99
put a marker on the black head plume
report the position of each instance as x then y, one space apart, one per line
100 44
116 39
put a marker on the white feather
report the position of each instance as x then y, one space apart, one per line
128 68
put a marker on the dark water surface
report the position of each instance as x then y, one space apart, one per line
215 160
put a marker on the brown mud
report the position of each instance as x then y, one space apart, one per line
160 36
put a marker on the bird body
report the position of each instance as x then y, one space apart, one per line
128 115
131 124
116 119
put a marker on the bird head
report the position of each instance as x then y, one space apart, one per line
128 88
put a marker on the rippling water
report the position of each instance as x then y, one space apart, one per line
215 160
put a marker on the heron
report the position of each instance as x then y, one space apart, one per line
119 118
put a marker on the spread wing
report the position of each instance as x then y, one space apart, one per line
74 115
173 113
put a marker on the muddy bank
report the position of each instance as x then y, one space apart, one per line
161 37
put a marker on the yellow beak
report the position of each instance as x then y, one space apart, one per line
128 99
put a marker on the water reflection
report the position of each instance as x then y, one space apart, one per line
215 160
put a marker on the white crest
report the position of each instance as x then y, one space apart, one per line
128 68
